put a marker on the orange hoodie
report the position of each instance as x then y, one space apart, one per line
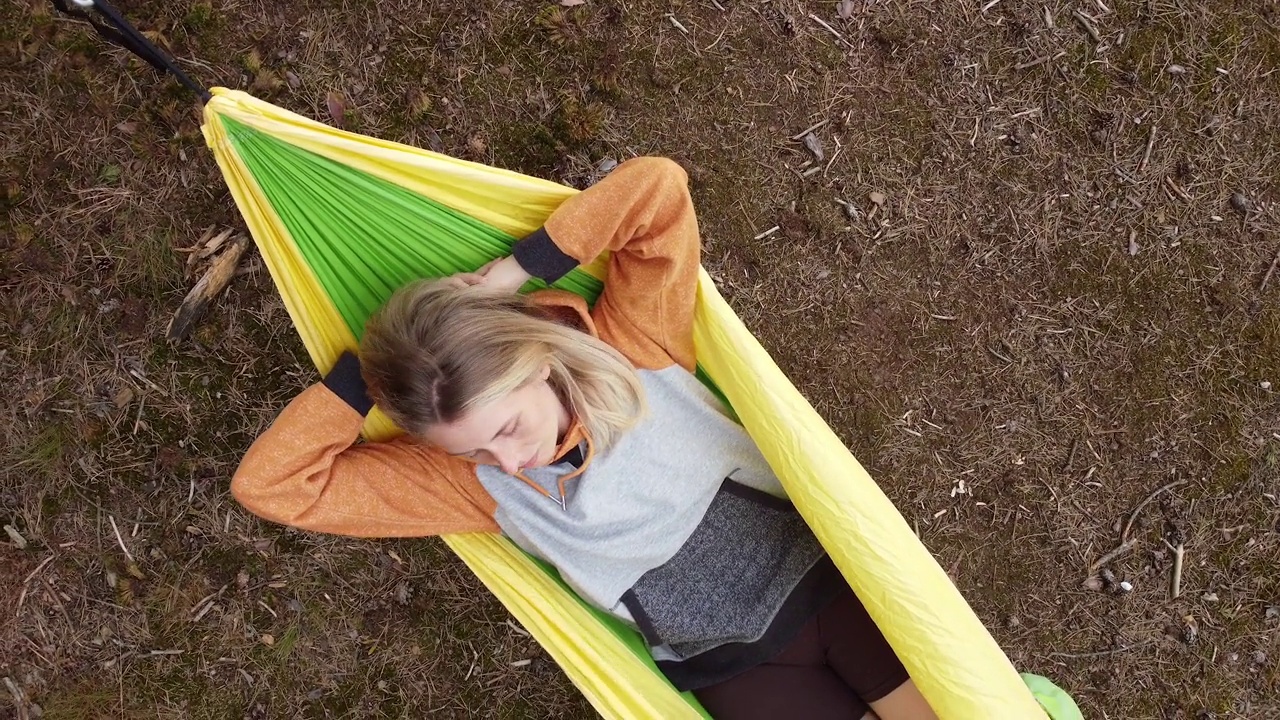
307 469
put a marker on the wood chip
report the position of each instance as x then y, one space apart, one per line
814 145
18 541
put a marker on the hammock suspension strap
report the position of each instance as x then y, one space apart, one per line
115 29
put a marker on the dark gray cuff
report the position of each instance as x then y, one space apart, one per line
345 381
539 255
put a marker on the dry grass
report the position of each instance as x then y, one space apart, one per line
986 323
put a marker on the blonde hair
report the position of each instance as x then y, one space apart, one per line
436 351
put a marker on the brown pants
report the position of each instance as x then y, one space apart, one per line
836 666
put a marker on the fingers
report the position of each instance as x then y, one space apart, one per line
463 280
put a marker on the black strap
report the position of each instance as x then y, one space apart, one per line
115 29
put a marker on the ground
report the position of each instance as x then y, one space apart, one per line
1028 283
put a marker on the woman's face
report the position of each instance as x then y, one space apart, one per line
521 430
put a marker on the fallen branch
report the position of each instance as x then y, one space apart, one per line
215 280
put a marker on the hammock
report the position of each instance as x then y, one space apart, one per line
343 220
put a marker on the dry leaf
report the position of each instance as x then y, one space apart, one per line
877 197
128 127
337 107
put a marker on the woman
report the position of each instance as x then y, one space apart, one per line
585 437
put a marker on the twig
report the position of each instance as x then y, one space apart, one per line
1087 23
1120 549
1100 653
832 30
1175 582
1039 61
19 698
1125 543
1146 154
1270 271
137 420
988 5
119 538
1173 186
1124 534
811 128
23 595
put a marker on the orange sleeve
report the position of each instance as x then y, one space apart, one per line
642 213
306 472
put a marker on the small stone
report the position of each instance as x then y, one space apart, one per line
268 639
1241 204
1126 586
877 197
1233 657
1265 384
1273 612
1176 70
1209 597
1259 657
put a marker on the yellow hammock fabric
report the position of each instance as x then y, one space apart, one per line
951 656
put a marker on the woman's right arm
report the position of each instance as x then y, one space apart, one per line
306 471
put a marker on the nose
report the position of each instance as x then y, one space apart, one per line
508 458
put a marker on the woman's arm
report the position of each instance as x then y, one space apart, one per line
643 215
306 472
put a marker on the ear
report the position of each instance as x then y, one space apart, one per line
545 372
